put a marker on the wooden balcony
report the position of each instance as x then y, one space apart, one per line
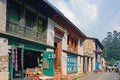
25 32
73 50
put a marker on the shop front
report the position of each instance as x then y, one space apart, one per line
27 64
28 60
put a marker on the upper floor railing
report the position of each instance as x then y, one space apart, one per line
73 50
24 31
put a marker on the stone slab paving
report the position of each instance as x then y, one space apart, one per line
101 76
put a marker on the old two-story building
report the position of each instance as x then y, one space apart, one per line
92 55
68 47
89 48
67 40
39 38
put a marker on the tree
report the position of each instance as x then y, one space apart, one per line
111 44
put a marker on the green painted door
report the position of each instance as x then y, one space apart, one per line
48 64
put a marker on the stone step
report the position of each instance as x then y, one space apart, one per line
57 72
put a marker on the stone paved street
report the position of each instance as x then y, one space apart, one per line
101 76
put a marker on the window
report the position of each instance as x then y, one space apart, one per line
13 13
30 18
72 63
68 40
40 25
76 43
81 43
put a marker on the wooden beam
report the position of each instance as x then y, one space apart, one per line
11 63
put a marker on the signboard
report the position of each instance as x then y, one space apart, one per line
48 64
45 64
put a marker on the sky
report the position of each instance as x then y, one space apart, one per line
93 17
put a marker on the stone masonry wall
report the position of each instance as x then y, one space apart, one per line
89 47
4 63
3 55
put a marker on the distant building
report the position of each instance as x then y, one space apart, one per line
92 54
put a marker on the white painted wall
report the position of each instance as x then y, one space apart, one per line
3 46
64 55
89 64
50 32
3 15
50 41
80 47
81 52
80 64
64 63
64 40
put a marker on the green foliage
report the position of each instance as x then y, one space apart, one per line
111 61
111 44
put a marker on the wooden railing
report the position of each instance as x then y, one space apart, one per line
24 31
73 50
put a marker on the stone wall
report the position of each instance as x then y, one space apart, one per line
3 55
89 47
4 63
3 15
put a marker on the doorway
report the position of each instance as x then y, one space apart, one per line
57 52
88 64
91 64
84 65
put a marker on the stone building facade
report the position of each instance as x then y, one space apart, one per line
50 40
92 52
89 48
41 34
